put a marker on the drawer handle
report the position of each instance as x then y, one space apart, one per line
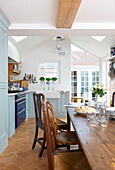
22 102
20 111
20 99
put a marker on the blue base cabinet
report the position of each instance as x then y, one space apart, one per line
58 104
27 105
11 116
31 111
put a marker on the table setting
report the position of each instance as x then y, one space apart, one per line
97 115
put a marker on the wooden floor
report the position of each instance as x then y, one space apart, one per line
19 155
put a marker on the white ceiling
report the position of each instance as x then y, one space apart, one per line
36 17
96 11
99 49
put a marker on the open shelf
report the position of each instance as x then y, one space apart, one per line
16 72
112 58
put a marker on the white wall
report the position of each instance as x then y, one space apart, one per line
45 52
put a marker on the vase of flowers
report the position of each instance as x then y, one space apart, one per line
48 82
99 92
54 79
42 79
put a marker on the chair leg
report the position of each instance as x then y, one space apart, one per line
43 146
36 135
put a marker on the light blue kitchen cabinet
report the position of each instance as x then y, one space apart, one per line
56 105
31 111
64 99
4 24
27 105
11 116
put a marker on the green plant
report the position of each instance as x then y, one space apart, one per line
54 78
48 79
110 101
100 90
42 79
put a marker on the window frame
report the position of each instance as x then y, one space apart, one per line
58 62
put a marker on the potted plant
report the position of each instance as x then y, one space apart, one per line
48 82
54 79
99 92
42 79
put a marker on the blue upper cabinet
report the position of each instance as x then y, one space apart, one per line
4 24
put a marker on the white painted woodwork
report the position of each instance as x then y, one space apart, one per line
4 24
11 116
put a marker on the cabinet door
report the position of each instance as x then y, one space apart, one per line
3 56
3 118
56 105
64 99
31 111
11 116
26 106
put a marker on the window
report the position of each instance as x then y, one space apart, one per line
74 83
95 80
84 73
49 70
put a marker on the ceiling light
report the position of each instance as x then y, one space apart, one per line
58 39
18 38
98 38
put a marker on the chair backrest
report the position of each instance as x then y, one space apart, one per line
38 99
47 126
52 118
75 99
113 100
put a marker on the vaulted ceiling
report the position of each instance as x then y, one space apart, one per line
39 18
32 17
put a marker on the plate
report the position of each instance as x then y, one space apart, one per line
82 113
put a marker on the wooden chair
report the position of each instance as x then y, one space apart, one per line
113 100
75 99
78 157
65 138
38 99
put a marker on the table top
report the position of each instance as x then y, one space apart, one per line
97 142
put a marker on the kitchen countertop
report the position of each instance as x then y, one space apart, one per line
14 94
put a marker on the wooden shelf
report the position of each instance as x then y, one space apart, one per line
112 58
16 72
13 80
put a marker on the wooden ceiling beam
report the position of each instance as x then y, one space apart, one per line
67 13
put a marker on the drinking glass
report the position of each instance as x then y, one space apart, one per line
93 118
104 118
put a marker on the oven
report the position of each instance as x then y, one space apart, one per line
20 109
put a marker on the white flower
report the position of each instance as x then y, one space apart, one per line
91 89
95 86
99 87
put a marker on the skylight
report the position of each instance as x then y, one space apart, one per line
18 38
98 38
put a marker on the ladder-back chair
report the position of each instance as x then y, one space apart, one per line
38 99
79 158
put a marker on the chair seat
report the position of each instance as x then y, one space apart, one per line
62 124
67 138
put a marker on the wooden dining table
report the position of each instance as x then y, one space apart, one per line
98 143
